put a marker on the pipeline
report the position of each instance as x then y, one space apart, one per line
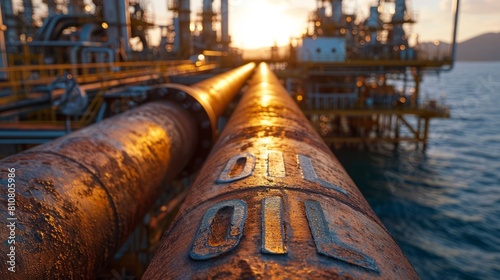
207 101
68 205
272 201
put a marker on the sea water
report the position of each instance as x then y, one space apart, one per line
443 206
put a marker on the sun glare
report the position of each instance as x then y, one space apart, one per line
261 23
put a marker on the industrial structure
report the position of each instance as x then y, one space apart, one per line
125 124
358 80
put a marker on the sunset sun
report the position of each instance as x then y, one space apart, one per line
264 22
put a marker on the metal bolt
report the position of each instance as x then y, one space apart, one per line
186 105
163 92
205 124
196 107
180 95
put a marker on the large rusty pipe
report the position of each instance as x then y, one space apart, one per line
214 94
76 199
273 202
207 100
72 202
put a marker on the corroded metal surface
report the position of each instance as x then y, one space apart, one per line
272 202
207 101
79 197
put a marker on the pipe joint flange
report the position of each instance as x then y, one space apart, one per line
191 99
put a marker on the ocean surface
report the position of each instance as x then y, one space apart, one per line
443 207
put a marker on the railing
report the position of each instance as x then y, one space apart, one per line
24 79
351 101
324 101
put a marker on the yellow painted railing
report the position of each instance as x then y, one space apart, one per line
22 79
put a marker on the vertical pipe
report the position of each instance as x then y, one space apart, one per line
118 18
272 201
52 7
398 20
208 35
417 77
337 11
455 31
76 7
426 132
225 24
454 39
11 36
374 24
184 28
28 17
177 37
390 125
419 131
3 50
207 16
207 6
396 136
400 10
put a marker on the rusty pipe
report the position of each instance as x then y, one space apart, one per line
272 201
79 197
207 100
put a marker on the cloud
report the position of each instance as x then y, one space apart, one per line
283 2
292 5
297 12
473 6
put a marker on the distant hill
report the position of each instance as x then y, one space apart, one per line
484 47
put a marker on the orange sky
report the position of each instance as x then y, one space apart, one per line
258 23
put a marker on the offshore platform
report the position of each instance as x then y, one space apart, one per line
358 80
111 141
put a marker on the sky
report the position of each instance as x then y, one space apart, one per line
259 23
